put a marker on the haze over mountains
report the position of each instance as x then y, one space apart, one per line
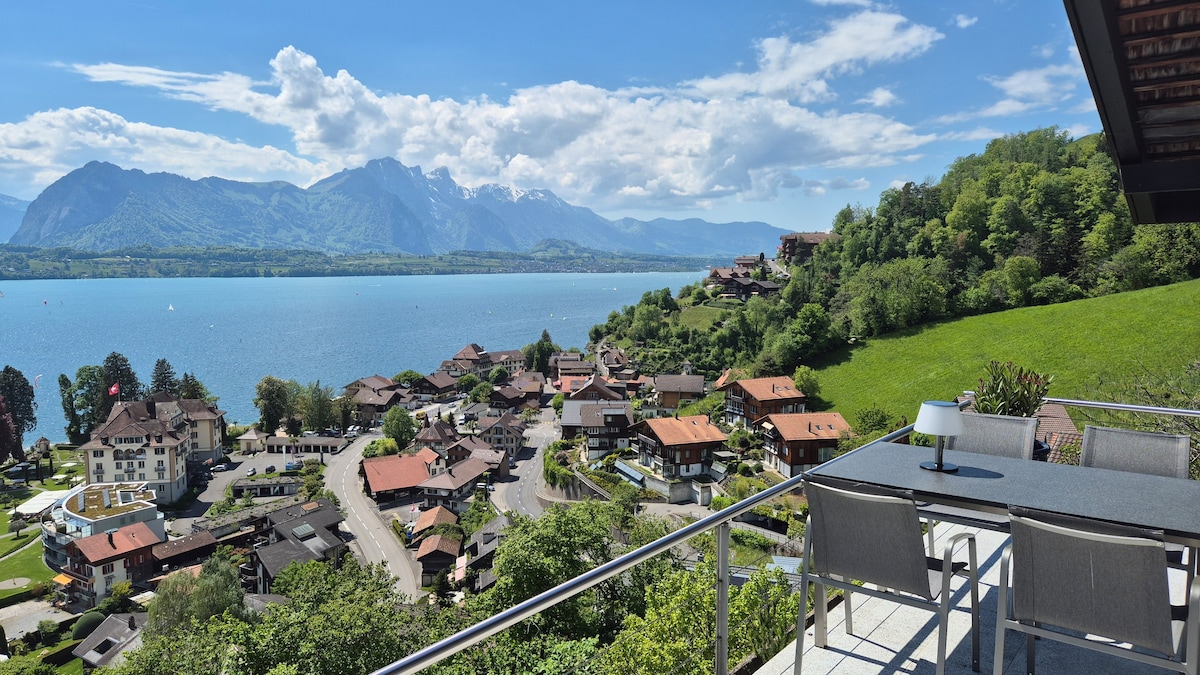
12 210
383 206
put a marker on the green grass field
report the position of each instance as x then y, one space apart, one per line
1156 329
28 563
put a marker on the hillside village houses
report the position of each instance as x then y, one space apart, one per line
747 401
96 508
796 442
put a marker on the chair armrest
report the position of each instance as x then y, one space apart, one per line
952 544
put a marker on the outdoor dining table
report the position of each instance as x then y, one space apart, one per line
988 485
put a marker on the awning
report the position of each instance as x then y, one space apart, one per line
63 580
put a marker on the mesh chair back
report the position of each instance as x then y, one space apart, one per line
1105 580
1000 435
868 537
1135 451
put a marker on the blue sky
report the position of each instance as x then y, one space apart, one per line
780 111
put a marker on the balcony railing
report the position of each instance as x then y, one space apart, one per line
720 522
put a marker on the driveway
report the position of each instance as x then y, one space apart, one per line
23 617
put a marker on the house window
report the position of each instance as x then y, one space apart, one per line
99 468
97 453
160 462
162 488
160 451
141 476
141 465
107 569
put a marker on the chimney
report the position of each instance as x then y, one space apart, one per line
110 537
132 623
810 427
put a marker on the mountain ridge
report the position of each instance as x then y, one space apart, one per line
382 206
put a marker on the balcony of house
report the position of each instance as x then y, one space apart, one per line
888 637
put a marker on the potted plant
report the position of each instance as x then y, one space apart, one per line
1009 389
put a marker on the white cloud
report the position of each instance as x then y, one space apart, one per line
1042 88
47 145
628 148
799 71
827 3
1078 130
976 134
964 21
880 97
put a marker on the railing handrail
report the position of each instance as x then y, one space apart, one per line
517 613
1124 407
449 646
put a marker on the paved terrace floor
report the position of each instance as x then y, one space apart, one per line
894 638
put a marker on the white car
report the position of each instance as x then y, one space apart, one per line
220 467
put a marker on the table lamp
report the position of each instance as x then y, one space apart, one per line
939 419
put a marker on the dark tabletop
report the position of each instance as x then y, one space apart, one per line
991 484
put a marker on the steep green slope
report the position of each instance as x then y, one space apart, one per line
1157 329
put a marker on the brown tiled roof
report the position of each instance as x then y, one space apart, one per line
494 458
96 549
467 471
471 352
1055 426
508 355
438 515
471 444
592 414
183 545
427 455
438 432
440 380
683 384
439 543
373 382
685 430
508 420
723 379
770 388
802 426
598 384
395 472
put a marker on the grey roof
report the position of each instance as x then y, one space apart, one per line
593 414
107 644
262 602
282 553
684 384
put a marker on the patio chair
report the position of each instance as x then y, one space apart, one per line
983 434
1093 585
1136 451
871 535
1145 452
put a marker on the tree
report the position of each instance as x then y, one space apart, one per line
10 439
66 390
118 371
343 411
163 379
316 406
274 402
805 379
18 394
407 377
182 598
537 354
498 375
399 426
467 382
190 387
482 392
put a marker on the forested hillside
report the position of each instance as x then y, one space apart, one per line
1038 218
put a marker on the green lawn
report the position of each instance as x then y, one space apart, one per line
10 542
699 317
27 563
1076 342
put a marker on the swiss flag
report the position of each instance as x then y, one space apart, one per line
112 391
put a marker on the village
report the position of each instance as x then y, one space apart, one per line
433 511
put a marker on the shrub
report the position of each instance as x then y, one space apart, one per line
745 470
86 624
720 502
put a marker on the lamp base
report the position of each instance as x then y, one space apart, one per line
944 468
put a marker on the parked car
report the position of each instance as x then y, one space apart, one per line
293 466
251 471
269 469
220 467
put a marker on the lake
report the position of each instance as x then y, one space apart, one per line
232 332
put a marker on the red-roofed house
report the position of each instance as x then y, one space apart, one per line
678 447
437 387
392 476
99 562
747 401
430 518
797 442
436 554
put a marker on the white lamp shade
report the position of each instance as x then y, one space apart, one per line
939 418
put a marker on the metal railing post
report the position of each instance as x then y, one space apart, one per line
722 664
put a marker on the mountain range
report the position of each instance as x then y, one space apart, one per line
12 210
383 206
